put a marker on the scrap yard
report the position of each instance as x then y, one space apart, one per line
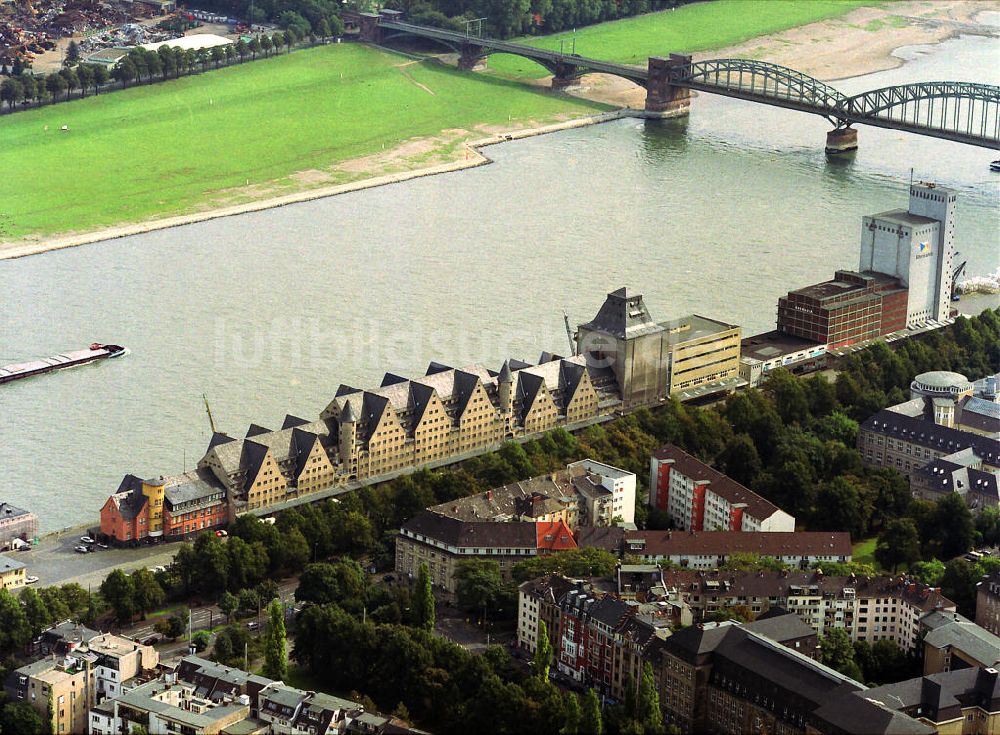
36 33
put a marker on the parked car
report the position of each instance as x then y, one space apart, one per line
253 625
221 533
30 579
102 546
151 641
81 549
87 540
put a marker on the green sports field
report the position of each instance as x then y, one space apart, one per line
172 147
687 29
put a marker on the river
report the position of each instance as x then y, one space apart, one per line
266 313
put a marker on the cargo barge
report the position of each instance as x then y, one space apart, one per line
97 351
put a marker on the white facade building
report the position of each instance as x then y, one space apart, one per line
620 503
917 246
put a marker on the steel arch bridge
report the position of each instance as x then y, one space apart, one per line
961 111
965 112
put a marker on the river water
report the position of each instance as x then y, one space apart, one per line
266 313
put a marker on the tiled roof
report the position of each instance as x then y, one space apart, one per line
609 538
969 638
554 536
725 487
934 694
765 543
9 564
475 534
789 583
622 314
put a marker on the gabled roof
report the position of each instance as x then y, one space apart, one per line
291 422
218 438
623 315
254 455
302 443
554 536
475 534
256 430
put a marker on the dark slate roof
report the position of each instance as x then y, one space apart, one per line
781 626
130 505
218 438
505 374
609 538
928 434
347 416
437 367
192 486
302 444
622 314
11 511
392 379
253 458
938 693
476 534
291 422
257 430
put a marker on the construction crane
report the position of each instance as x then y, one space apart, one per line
954 280
208 410
569 335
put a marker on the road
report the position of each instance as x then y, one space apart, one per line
202 618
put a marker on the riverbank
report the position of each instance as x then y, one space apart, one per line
468 156
859 42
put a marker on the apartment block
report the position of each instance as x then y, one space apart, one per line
700 498
731 679
62 689
952 641
199 697
963 702
944 439
442 542
711 549
869 608
988 603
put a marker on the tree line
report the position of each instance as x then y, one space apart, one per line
141 65
506 18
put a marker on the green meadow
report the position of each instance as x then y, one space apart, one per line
176 146
241 133
690 28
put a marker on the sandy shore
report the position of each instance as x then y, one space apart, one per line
859 43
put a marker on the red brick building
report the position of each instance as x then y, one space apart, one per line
851 308
171 508
125 515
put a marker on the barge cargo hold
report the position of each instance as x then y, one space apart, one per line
96 352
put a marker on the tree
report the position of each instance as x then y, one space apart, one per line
118 590
217 55
278 39
338 582
958 584
275 655
479 583
200 640
55 84
72 54
255 47
590 720
837 652
542 660
85 72
11 92
929 572
30 85
15 628
323 28
148 594
424 600
649 714
72 80
229 603
125 71
954 530
242 49
571 714
20 717
101 76
898 544
740 460
35 610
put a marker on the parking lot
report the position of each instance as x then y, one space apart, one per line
54 560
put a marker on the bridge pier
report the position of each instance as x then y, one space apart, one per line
472 57
664 99
565 75
371 31
841 140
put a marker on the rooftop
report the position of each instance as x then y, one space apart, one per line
692 327
11 511
7 564
774 344
903 217
722 543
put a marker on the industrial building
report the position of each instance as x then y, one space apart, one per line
903 284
